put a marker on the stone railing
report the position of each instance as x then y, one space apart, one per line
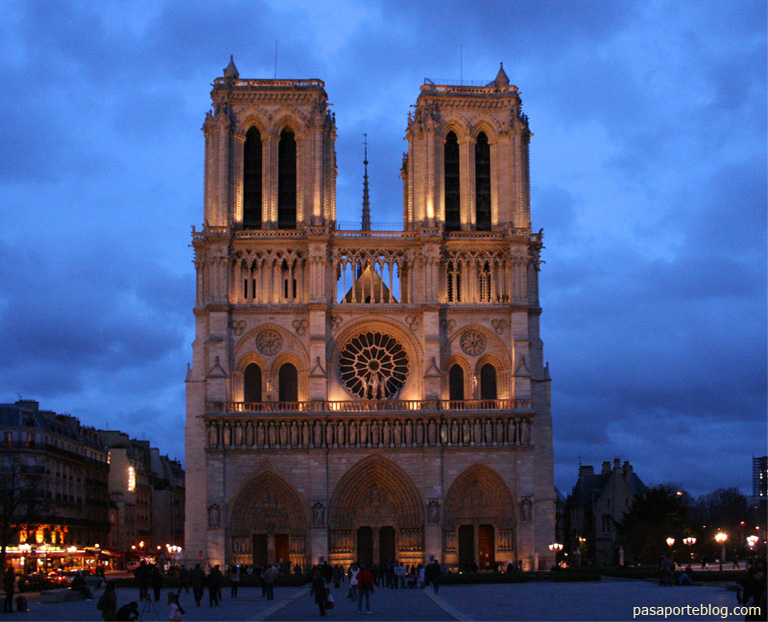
324 407
402 431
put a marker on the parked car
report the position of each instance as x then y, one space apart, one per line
35 583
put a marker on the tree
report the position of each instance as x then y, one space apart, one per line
23 497
654 516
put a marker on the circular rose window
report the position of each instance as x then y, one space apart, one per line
373 366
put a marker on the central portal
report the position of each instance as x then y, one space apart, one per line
386 545
365 545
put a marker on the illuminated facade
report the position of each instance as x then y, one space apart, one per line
364 394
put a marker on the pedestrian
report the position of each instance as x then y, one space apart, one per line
354 569
320 591
108 602
156 578
197 579
234 580
270 575
364 589
183 579
214 586
9 584
420 577
175 610
434 573
128 612
142 580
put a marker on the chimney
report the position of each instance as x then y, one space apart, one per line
616 464
606 468
586 470
627 468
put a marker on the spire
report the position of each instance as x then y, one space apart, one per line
366 202
501 77
231 71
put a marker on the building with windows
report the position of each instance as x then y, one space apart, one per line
59 467
361 394
596 503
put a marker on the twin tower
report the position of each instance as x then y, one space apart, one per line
367 395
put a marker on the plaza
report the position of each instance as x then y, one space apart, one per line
604 600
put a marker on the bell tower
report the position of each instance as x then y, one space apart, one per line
467 168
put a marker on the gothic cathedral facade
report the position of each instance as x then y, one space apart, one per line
358 394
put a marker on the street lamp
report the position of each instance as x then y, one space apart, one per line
752 541
689 542
555 547
720 538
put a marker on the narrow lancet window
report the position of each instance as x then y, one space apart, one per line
288 382
452 183
482 183
286 181
252 383
487 382
252 180
456 383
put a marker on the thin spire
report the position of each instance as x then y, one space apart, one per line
366 199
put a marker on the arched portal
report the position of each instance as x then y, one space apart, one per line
479 519
267 523
377 494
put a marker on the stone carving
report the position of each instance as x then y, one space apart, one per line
318 514
526 510
473 342
300 326
447 325
499 325
238 327
413 321
269 342
214 516
433 511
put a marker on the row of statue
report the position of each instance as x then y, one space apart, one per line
370 433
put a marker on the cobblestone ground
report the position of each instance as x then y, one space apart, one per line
607 600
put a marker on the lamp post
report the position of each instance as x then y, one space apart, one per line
670 543
555 547
720 538
689 542
752 541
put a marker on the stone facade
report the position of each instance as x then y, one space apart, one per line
364 394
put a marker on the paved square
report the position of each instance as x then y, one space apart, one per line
606 600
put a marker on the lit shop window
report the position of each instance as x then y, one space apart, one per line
131 479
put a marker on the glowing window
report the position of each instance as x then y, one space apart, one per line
131 479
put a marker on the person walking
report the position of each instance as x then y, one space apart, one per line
214 586
319 591
270 575
234 580
197 579
9 584
108 602
353 571
156 577
183 579
434 572
364 589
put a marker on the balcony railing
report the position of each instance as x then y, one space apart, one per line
369 406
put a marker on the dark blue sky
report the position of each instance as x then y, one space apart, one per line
648 171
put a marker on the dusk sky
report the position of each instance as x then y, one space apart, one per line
648 172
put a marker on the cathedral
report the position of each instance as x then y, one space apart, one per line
362 394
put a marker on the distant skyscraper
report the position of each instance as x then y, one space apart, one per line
367 395
760 477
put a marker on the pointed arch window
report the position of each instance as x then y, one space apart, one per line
252 383
484 279
286 181
252 180
482 183
456 383
288 383
453 281
488 382
452 183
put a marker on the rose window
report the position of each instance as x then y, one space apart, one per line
373 366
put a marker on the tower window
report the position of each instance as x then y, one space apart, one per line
286 181
488 382
252 180
482 183
456 383
288 383
485 282
453 281
452 183
252 383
